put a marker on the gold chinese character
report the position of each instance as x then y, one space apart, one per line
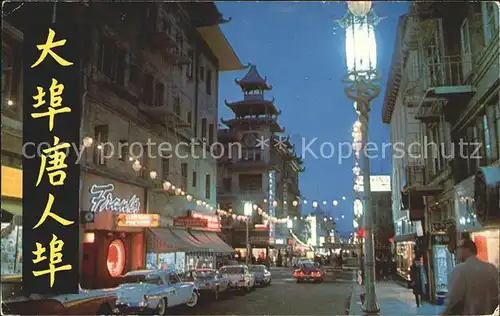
55 257
47 212
56 89
56 167
47 49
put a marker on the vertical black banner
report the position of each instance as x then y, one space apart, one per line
51 131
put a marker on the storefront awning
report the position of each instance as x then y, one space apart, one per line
187 237
212 242
14 207
222 246
164 240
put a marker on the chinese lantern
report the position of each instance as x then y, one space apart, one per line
275 203
166 185
189 198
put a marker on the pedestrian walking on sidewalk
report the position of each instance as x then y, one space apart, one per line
418 280
473 284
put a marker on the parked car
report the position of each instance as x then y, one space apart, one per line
208 281
261 273
240 277
309 272
154 290
86 302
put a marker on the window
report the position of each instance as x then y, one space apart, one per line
211 133
190 117
202 73
194 179
492 121
145 161
165 168
465 50
135 75
111 60
490 20
101 137
189 69
173 278
147 89
203 129
7 72
207 186
227 184
250 182
123 150
184 175
159 94
208 82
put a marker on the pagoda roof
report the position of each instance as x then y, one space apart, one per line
253 106
253 80
254 121
226 135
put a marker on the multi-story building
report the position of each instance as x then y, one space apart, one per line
444 92
382 222
258 166
150 77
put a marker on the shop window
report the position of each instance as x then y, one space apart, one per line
208 188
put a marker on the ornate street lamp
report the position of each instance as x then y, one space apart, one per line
361 88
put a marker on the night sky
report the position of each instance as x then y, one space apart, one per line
296 45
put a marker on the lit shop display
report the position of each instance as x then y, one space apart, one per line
116 258
404 257
443 265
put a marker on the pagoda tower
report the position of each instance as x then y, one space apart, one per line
249 175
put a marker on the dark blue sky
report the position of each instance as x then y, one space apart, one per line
295 45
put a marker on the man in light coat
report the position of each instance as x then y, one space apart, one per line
473 285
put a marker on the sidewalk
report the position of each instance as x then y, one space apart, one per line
393 299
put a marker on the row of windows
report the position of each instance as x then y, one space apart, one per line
101 136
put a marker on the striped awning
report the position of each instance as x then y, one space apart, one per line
165 240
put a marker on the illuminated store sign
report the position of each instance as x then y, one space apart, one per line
138 220
377 183
102 199
271 197
213 223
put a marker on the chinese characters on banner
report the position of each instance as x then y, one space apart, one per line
51 122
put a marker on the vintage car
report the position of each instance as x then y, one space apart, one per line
309 271
261 273
154 290
86 302
210 282
239 276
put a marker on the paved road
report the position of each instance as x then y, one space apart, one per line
283 297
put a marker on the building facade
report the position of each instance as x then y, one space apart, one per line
258 166
444 90
150 90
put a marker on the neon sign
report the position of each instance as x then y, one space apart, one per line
102 199
213 222
138 220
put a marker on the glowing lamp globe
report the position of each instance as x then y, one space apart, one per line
233 216
255 207
335 203
295 203
315 204
359 8
87 141
275 203
189 198
136 166
166 185
153 174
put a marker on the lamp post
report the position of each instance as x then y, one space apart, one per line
361 88
289 225
248 210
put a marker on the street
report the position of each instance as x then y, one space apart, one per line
283 297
